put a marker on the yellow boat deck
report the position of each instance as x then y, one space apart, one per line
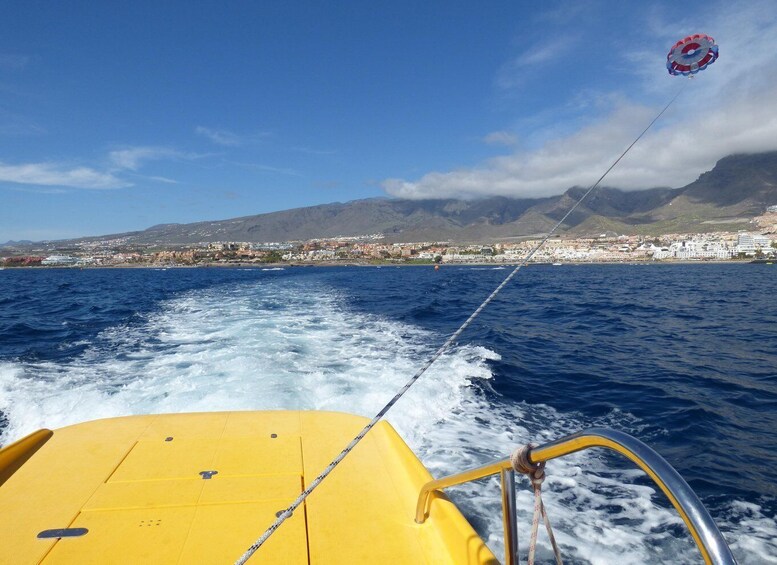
136 484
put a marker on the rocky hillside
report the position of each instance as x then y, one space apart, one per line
727 197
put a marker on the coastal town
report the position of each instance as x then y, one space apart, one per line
756 244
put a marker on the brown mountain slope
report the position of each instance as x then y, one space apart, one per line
736 189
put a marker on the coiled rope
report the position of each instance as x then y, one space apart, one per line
284 515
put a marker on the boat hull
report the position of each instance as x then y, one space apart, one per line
200 488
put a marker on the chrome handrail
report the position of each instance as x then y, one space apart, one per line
705 533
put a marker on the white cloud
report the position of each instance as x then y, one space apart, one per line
124 162
228 138
516 72
672 156
133 157
729 108
220 136
539 54
52 174
500 138
154 178
163 179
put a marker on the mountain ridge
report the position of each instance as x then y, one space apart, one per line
737 188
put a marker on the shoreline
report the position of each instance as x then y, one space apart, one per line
267 266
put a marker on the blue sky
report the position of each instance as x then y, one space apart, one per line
118 116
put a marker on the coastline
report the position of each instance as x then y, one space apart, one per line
268 266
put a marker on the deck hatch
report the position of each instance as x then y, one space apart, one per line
196 458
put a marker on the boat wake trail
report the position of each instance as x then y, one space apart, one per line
295 344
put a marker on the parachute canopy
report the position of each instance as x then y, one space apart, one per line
691 55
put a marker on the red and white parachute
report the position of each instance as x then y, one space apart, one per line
691 55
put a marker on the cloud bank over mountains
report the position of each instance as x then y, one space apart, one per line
729 108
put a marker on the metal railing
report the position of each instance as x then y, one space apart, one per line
705 533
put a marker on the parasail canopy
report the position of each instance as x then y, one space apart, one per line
691 55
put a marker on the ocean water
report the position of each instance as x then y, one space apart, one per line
684 357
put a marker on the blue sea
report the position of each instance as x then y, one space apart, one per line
684 357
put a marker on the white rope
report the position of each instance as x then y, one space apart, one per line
443 348
537 477
521 463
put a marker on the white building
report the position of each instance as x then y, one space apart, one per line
749 244
745 244
696 248
321 255
59 260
